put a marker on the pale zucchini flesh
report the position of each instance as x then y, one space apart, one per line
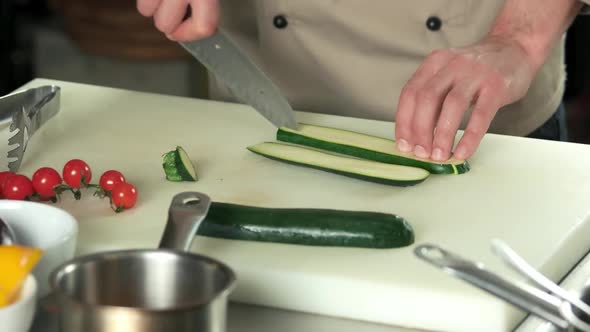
365 147
187 165
352 167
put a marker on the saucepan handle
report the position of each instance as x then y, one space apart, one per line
186 212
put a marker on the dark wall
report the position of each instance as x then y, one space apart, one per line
578 58
16 50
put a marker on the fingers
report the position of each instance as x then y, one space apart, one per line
409 98
484 110
202 23
456 102
147 8
428 102
169 17
433 104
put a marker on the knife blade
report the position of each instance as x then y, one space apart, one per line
242 77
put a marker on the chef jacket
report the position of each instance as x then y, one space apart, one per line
353 57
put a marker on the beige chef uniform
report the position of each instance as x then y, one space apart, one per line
353 57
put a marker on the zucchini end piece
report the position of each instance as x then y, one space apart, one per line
178 166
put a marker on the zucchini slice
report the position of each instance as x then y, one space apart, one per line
366 147
304 226
178 166
352 167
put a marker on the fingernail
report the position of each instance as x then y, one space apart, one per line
170 37
437 154
403 145
420 152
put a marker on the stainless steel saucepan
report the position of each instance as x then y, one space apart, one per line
165 289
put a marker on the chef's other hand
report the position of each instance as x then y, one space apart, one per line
170 17
486 76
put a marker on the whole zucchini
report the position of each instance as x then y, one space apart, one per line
306 226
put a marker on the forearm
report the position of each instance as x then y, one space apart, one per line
536 25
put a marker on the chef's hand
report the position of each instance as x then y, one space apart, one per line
486 76
170 17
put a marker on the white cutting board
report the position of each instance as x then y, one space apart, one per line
533 194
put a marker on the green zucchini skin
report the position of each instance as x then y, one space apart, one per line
306 226
171 159
359 152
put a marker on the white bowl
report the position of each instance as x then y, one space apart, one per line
44 226
18 316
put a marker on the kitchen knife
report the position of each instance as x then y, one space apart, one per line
242 77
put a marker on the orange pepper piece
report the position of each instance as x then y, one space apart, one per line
16 263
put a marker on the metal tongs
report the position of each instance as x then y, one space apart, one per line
27 110
550 302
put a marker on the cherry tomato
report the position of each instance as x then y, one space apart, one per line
73 172
44 180
3 176
17 187
124 196
109 179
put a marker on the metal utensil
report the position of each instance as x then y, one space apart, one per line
27 110
518 264
7 235
243 78
551 307
148 290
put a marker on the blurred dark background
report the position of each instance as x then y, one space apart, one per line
106 42
103 42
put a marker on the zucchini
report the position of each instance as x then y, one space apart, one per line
178 166
366 147
352 167
306 226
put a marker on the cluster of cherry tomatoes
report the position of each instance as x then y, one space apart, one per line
47 184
